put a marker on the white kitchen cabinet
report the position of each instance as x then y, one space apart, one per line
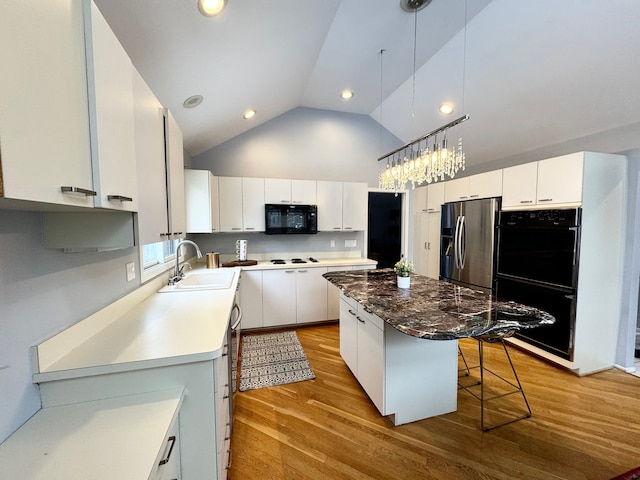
251 298
333 294
174 157
420 197
74 128
560 179
230 194
201 198
303 192
153 219
435 196
278 297
329 206
111 118
355 206
286 191
277 190
519 185
456 190
406 377
311 295
253 205
485 185
420 243
43 117
433 245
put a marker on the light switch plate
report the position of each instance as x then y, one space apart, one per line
333 243
131 271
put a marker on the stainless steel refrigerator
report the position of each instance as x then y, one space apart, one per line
467 242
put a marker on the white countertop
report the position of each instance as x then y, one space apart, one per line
322 262
92 440
165 329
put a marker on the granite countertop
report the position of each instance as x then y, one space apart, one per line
433 309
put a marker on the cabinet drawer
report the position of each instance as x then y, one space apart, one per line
223 423
350 301
224 460
370 317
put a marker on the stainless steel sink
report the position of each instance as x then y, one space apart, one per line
214 279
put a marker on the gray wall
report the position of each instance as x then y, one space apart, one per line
41 293
305 143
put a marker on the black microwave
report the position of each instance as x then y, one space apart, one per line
285 219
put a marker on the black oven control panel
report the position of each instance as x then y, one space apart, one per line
541 218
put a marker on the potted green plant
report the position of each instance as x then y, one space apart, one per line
403 269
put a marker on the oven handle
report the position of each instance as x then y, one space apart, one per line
237 322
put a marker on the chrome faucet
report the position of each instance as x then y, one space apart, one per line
178 273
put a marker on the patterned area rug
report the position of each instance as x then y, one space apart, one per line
271 359
630 475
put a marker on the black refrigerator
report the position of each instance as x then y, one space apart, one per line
467 243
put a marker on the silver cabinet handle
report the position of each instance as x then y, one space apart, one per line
289 271
171 439
526 201
82 191
337 228
474 196
284 201
236 228
348 228
546 200
249 228
303 271
119 198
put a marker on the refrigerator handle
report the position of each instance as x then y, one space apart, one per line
456 262
463 243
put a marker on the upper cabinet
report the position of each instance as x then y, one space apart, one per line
174 159
342 206
290 192
43 116
456 190
201 196
483 185
420 199
435 197
241 204
253 204
552 181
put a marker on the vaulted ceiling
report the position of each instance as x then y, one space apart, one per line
530 74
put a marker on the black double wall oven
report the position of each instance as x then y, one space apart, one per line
537 264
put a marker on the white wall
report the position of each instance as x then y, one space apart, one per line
41 293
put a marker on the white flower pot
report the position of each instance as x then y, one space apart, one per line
404 282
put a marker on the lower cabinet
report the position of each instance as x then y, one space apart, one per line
311 295
406 377
278 297
251 298
426 244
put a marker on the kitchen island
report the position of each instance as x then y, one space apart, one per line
401 344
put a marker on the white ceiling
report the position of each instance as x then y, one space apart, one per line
530 74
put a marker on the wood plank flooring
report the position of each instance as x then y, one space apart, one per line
581 428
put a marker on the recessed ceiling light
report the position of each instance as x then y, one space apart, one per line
192 101
445 108
249 114
210 8
346 94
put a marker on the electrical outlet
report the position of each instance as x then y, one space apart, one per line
350 243
333 243
131 271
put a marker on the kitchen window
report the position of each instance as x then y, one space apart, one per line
157 258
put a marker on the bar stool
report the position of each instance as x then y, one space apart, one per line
516 386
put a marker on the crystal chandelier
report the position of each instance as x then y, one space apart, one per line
414 162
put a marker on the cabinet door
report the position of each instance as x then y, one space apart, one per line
519 185
420 243
174 158
486 185
420 200
355 203
311 295
456 190
109 77
435 196
253 204
349 334
153 220
43 103
278 297
201 197
560 179
303 192
277 190
433 246
371 362
230 192
251 298
329 206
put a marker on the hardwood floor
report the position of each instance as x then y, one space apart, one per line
581 428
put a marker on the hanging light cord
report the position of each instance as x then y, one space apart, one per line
413 87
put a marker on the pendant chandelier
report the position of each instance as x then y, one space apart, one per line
425 159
